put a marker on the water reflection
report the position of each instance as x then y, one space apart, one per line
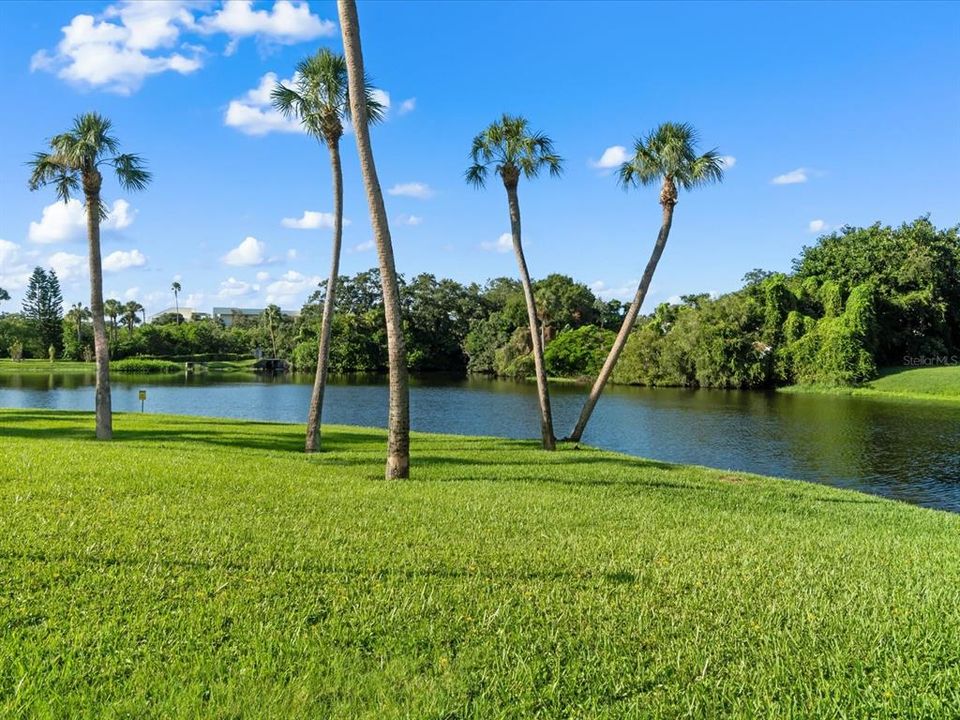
907 451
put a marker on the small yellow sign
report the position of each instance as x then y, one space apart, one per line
143 395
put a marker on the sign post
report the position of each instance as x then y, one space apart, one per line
143 397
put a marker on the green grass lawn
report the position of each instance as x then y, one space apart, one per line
23 367
207 568
927 383
133 365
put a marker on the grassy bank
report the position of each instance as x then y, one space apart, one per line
208 568
127 365
928 383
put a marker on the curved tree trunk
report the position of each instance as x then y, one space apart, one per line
323 354
543 391
101 347
628 323
398 418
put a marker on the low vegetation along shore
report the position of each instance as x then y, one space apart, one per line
198 567
928 383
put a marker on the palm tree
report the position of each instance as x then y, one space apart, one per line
131 317
513 150
319 101
176 298
77 314
272 318
668 155
398 416
4 295
112 309
72 163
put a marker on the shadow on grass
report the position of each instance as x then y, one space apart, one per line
618 577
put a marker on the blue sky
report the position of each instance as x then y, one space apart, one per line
830 113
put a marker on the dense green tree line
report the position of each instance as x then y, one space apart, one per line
856 300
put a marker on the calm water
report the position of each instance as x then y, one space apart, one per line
906 451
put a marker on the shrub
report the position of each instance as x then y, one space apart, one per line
145 366
578 353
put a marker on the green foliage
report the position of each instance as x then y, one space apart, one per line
915 270
143 366
578 353
43 307
16 351
209 568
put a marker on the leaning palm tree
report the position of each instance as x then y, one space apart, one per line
71 164
112 309
513 150
176 298
320 100
398 416
668 155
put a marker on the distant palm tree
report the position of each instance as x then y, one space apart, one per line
77 314
272 318
398 416
4 295
131 315
176 298
669 156
112 309
320 101
73 163
513 150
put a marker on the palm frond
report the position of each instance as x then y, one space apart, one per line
476 175
48 169
131 173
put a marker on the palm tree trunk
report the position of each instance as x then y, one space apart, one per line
104 412
627 327
543 391
398 416
176 302
323 353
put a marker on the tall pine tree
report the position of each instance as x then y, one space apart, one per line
43 305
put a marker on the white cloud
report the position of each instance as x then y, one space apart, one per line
727 161
503 244
291 288
405 219
233 288
62 222
292 254
67 265
287 23
613 156
120 216
112 53
311 220
407 106
133 40
382 97
14 271
816 226
131 293
249 252
363 247
123 260
624 293
263 276
412 189
254 114
800 175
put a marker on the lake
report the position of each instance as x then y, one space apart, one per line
907 451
